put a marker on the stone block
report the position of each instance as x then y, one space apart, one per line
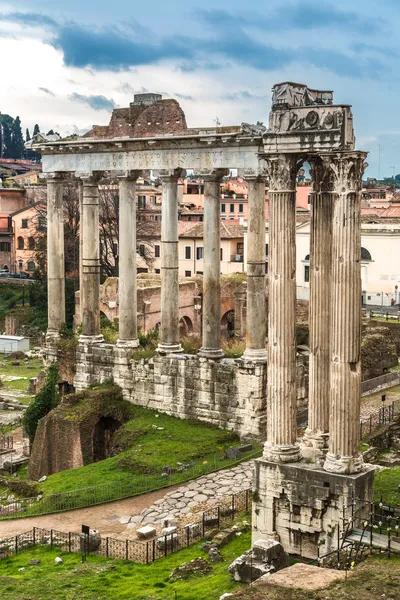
147 532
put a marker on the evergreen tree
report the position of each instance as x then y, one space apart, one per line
45 400
51 132
7 141
28 135
36 130
17 140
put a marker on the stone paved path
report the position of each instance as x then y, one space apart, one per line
182 504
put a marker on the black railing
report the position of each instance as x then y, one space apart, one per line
134 550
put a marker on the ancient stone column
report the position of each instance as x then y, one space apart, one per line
256 321
211 340
169 331
127 291
281 388
55 257
90 292
345 374
80 192
317 431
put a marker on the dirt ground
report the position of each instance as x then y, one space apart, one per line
104 517
372 403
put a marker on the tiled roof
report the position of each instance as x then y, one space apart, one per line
228 230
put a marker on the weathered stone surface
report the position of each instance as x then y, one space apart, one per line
197 566
146 532
266 556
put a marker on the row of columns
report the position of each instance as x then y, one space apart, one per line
335 315
90 263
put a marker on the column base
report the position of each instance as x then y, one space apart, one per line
334 463
128 343
211 353
52 337
314 446
169 348
91 339
255 355
283 453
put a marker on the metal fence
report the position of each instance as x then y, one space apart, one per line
118 490
6 442
385 415
133 550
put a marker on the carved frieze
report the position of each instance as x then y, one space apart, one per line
296 94
212 174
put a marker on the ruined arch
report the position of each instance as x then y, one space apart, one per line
228 324
102 435
185 326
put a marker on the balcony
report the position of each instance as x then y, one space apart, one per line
238 258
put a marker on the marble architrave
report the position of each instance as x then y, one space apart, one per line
127 160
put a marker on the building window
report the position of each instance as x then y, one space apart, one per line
201 218
240 208
30 266
365 254
199 272
266 249
20 243
199 252
24 223
223 207
306 273
141 250
158 271
141 202
240 248
151 217
157 251
221 254
188 252
20 265
31 243
231 208
188 273
5 247
41 224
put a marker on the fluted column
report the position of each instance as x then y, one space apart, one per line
127 289
80 192
281 388
256 317
345 374
90 292
317 432
169 331
211 341
55 257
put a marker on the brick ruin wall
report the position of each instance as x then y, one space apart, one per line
226 393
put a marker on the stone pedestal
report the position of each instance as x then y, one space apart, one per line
211 342
256 323
55 259
302 506
127 262
169 330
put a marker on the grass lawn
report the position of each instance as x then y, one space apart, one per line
21 385
387 484
149 451
102 579
376 578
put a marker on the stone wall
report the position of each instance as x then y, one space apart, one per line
225 393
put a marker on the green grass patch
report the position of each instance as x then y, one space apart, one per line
145 450
387 486
102 579
25 370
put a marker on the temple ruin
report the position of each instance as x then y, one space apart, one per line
300 489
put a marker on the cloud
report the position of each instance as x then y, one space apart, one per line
119 48
47 91
95 102
242 95
183 96
302 15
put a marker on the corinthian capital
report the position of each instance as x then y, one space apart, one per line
346 171
170 175
212 175
282 171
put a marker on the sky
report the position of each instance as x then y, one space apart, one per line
68 63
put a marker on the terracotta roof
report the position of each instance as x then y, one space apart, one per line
228 230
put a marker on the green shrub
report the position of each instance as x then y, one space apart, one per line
233 348
21 487
191 344
45 400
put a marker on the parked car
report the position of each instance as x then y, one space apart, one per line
4 273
